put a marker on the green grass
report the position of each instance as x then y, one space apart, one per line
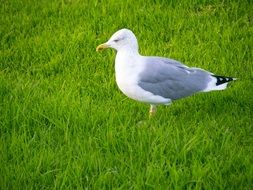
65 125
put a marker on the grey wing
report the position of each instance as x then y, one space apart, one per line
171 79
165 60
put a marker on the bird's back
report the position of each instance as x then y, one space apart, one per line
171 79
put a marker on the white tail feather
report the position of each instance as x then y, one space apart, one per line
212 85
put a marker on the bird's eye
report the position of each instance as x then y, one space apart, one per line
116 40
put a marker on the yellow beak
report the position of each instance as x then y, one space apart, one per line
101 47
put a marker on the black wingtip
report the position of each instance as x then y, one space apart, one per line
222 79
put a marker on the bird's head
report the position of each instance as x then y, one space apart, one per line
121 39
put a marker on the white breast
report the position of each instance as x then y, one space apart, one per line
127 68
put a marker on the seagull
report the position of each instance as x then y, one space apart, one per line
156 80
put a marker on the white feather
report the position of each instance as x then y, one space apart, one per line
212 85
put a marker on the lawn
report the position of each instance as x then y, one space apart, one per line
65 125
